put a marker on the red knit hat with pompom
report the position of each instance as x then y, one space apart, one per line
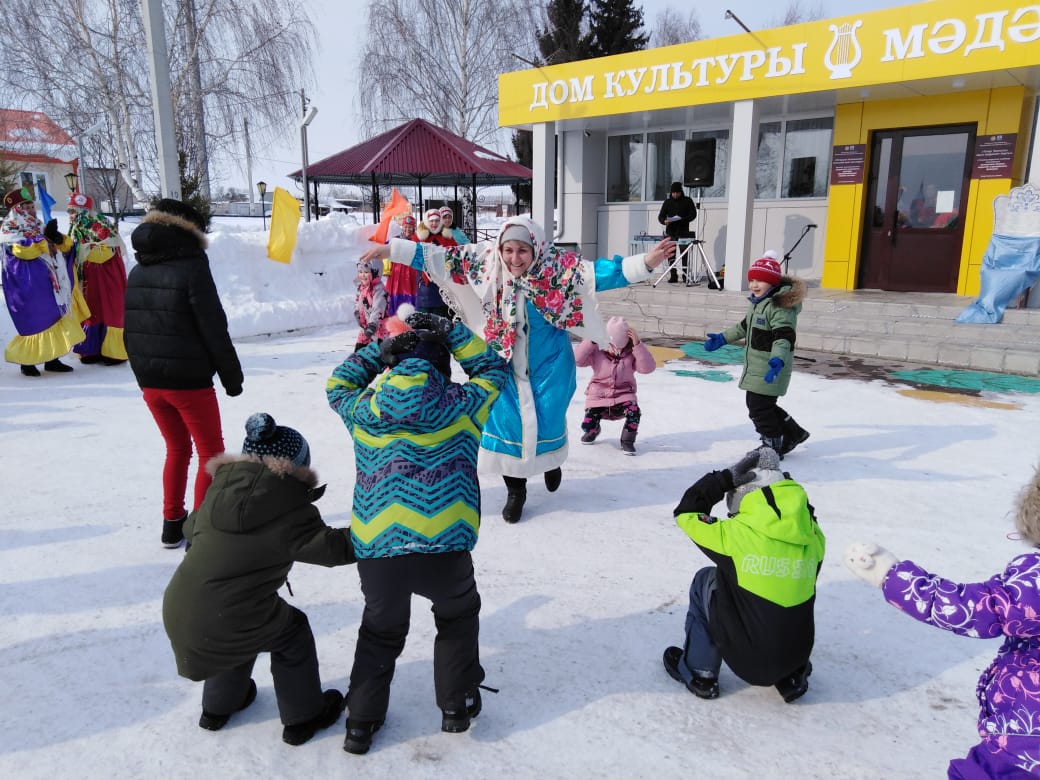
765 269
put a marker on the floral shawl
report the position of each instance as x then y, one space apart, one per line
20 226
551 284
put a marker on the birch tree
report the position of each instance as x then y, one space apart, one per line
440 60
83 60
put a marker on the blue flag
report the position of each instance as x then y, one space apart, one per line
46 201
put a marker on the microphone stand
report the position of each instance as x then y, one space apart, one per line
786 261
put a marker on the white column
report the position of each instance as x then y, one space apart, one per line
1034 152
543 163
162 103
740 190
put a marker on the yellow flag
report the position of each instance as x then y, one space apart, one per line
285 220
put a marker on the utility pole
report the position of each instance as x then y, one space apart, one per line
162 103
249 164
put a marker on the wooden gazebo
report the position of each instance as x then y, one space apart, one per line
414 154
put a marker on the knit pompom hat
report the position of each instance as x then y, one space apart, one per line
429 348
264 437
1027 517
765 473
765 269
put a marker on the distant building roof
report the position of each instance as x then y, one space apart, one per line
32 136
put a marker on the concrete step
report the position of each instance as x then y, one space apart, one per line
914 327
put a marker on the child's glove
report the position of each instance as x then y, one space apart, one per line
715 340
433 324
391 349
869 562
775 366
52 234
371 328
742 472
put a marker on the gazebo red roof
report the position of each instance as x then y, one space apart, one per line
416 153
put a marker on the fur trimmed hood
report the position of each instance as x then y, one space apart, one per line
1027 516
793 295
280 467
156 217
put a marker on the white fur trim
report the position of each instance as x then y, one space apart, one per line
402 251
634 268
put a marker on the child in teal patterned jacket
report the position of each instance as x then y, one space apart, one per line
416 507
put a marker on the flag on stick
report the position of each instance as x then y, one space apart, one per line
398 205
285 221
46 201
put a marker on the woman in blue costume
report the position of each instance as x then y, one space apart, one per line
40 289
523 295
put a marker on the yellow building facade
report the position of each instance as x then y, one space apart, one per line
931 111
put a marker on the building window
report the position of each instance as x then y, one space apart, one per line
807 158
794 158
625 162
666 161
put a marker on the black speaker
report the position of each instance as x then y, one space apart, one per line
699 170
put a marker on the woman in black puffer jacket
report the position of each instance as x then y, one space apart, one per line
176 336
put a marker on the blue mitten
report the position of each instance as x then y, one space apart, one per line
715 340
775 366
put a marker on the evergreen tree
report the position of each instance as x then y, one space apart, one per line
616 27
564 38
523 143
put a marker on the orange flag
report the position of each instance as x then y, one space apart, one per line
398 205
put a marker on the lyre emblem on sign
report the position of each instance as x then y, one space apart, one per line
844 53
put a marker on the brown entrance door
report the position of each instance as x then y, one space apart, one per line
916 197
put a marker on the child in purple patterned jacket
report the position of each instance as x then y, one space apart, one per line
1008 605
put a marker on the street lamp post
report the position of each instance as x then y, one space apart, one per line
303 145
71 181
261 187
94 128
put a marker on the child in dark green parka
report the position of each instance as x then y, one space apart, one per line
769 332
222 608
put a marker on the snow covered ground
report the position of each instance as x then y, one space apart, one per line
579 599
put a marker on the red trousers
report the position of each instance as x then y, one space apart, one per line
183 417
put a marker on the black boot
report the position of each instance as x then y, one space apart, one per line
332 706
456 719
30 371
628 441
216 721
359 735
515 498
794 434
553 478
795 685
56 366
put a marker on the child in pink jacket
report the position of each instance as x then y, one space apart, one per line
611 393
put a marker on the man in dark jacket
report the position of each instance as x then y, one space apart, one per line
754 608
222 606
676 214
176 336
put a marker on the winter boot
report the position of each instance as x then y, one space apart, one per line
88 360
702 686
173 532
795 684
332 706
213 722
30 371
456 719
56 366
553 478
359 735
589 436
794 434
515 498
628 441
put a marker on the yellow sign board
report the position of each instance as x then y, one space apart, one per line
921 41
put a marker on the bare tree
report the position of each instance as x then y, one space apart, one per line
798 12
242 56
672 26
440 60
